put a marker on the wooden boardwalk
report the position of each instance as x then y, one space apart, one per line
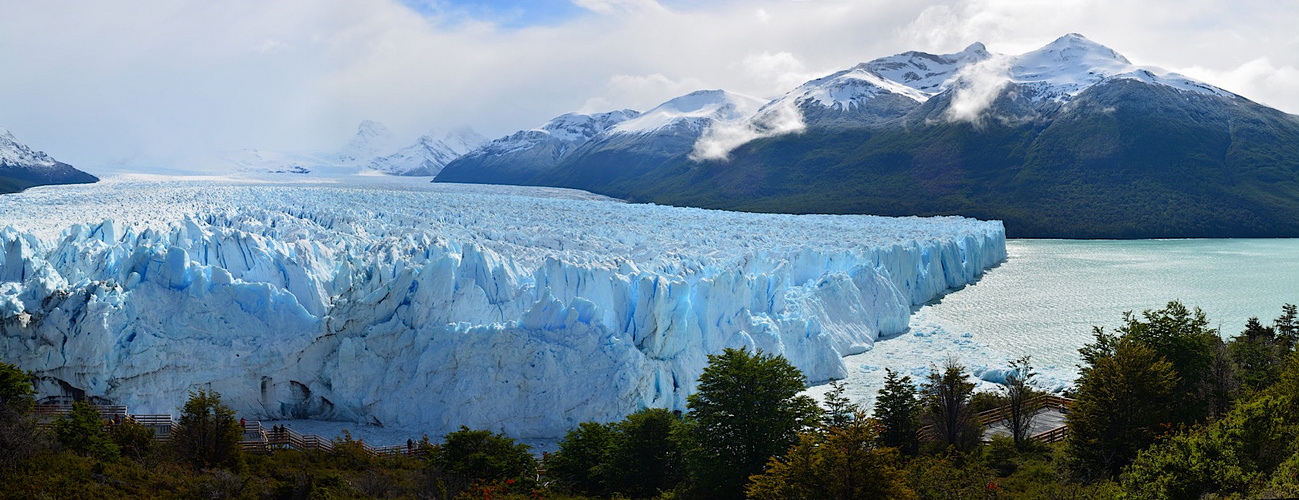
256 438
1048 423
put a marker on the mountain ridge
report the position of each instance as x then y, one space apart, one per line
22 167
1069 140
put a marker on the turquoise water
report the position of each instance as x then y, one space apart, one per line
1045 298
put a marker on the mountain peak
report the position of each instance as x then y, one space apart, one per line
1075 47
372 138
693 109
15 153
371 128
697 100
926 73
976 48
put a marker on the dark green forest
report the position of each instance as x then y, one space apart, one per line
1163 408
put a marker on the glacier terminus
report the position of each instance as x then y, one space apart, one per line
399 303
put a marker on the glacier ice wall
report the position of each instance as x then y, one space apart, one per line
428 307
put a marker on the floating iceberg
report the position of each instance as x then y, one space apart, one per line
522 310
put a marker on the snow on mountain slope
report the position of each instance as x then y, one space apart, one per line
372 148
371 140
928 74
14 153
433 306
1072 63
694 111
569 130
22 167
274 162
849 88
428 155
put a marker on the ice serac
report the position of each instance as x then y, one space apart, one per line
520 310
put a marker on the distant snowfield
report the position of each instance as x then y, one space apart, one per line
410 305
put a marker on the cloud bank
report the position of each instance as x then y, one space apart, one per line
719 140
978 87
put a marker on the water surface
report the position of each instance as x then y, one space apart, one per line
1045 299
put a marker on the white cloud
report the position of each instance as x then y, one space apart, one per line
1258 80
642 92
719 140
616 6
780 71
978 86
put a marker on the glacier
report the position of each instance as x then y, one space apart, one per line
429 306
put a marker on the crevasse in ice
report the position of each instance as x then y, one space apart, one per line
433 306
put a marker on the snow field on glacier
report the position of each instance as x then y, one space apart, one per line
409 305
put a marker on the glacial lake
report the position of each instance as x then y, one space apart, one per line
1045 298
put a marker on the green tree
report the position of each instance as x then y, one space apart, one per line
1228 457
838 411
581 463
479 455
1259 351
843 462
946 399
645 458
1121 402
898 412
17 427
134 440
82 431
746 409
1287 327
1183 337
1021 399
208 434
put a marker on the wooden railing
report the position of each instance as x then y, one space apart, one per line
1053 435
255 436
161 425
1000 413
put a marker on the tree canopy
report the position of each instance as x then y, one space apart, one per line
946 399
1122 399
898 412
208 434
746 410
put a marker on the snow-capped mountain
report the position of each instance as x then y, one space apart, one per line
876 91
14 153
372 139
526 152
914 75
926 73
973 132
428 155
22 167
692 112
584 141
373 147
1072 64
565 131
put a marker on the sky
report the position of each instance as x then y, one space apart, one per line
176 84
